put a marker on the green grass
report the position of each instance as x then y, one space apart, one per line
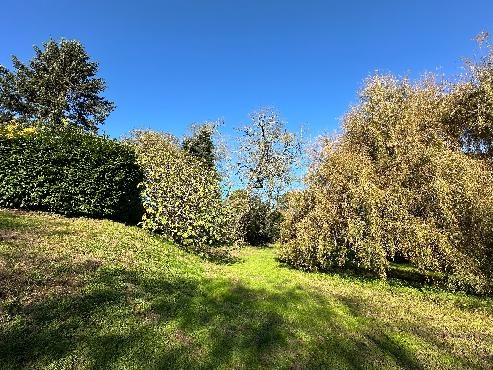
90 294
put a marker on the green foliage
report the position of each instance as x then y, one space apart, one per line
397 183
252 221
57 86
470 123
267 155
182 198
200 144
69 172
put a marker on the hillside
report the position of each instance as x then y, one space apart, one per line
77 293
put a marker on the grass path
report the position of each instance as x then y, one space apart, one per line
88 294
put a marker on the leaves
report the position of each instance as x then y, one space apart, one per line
59 85
268 154
404 180
182 197
69 172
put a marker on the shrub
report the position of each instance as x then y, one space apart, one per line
396 183
182 197
251 220
68 171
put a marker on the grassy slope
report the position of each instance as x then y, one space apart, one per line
80 293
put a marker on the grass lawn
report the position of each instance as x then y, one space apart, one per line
90 294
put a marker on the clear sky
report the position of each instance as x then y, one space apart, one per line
170 63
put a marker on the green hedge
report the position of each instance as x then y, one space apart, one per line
68 171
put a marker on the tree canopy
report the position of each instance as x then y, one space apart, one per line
57 86
407 178
200 144
267 155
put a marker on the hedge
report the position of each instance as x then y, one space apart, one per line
68 171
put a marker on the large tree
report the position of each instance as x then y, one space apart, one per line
409 177
59 85
268 153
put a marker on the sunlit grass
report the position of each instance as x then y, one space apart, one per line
81 293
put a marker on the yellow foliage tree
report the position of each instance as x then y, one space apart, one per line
406 178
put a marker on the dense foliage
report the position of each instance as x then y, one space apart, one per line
58 86
406 179
69 172
181 194
200 144
250 219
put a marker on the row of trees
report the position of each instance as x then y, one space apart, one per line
181 191
410 176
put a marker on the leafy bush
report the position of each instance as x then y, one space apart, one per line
397 183
68 171
182 197
251 220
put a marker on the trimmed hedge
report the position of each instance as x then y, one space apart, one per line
68 171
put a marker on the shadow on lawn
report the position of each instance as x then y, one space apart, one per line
165 322
83 314
103 324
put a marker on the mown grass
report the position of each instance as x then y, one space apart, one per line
88 294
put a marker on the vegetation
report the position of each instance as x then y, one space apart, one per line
200 144
410 178
267 155
252 221
68 171
81 293
58 86
181 194
405 194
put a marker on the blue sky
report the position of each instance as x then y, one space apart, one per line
170 63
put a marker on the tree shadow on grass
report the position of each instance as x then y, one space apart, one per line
398 274
116 317
102 324
409 332
174 322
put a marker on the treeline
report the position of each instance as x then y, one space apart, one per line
408 179
53 159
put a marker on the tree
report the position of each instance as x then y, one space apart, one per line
470 123
250 219
398 184
200 144
59 85
181 197
267 155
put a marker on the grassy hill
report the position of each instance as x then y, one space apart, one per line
91 294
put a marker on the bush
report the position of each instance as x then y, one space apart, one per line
68 171
251 220
396 184
182 196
